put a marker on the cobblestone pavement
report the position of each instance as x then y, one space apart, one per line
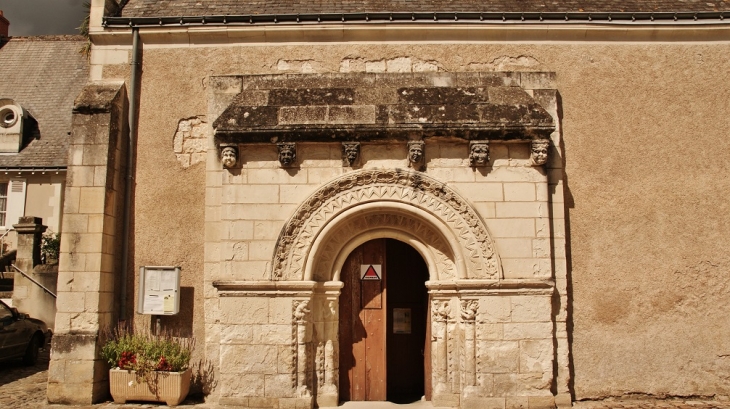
23 387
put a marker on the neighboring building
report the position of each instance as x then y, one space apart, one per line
507 205
39 79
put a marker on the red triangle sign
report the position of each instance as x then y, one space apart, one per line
371 274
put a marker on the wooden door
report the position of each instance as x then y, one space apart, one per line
408 364
380 357
362 326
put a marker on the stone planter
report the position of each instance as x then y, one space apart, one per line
168 387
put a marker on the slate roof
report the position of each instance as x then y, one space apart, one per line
43 74
367 107
161 8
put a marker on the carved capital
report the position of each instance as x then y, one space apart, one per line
479 153
539 151
350 152
301 311
440 311
469 309
287 154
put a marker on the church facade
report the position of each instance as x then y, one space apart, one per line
499 208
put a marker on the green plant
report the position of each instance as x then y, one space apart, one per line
50 245
146 353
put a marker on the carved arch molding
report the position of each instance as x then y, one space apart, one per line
451 228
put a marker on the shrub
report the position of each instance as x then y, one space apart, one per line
144 352
50 246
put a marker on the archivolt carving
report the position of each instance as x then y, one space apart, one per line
440 248
410 187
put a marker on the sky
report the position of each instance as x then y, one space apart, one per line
41 17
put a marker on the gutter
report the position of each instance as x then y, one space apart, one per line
621 18
32 170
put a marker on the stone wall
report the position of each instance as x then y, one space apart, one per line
646 232
89 263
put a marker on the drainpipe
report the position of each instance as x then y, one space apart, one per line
130 170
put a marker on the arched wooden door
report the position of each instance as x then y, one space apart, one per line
384 351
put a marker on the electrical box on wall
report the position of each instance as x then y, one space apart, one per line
159 290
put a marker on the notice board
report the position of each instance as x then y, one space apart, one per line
159 290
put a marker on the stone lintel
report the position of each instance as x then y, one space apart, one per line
275 288
491 287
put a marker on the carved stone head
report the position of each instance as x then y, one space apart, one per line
287 153
229 157
479 153
539 151
415 151
350 152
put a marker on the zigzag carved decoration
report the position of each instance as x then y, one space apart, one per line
404 186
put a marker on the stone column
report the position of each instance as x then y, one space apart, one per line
442 392
301 317
89 263
469 362
28 296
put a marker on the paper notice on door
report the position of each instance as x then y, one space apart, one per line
401 320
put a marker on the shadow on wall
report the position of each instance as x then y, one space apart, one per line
180 324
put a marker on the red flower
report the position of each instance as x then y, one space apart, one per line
163 365
127 360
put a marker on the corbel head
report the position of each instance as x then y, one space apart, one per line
350 152
415 152
287 153
539 151
229 156
479 153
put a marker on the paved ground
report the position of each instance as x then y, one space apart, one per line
24 387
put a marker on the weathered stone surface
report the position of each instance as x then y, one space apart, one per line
399 104
498 356
252 359
522 384
536 356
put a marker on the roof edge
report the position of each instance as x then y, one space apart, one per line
454 17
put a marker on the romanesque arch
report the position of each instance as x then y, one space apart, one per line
385 203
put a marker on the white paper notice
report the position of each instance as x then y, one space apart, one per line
153 304
153 280
168 280
168 305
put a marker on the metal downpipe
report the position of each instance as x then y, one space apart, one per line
131 143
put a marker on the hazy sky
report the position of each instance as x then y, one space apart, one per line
39 17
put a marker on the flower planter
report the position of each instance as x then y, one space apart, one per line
168 387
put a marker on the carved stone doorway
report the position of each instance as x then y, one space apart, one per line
384 353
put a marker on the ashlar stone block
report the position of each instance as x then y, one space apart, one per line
531 308
532 330
278 386
529 384
242 385
536 356
240 310
498 356
249 359
495 309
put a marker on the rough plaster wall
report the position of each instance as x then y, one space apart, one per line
645 130
169 197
